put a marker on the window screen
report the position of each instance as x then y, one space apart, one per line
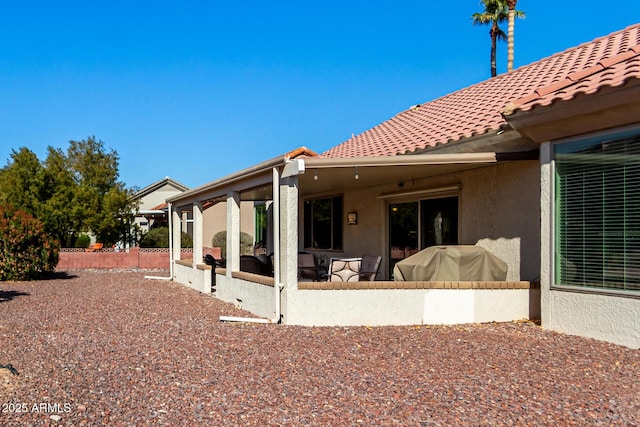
597 213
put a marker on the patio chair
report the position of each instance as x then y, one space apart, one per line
250 264
307 269
344 269
369 267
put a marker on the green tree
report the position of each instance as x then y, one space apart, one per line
58 201
495 12
101 202
21 182
71 193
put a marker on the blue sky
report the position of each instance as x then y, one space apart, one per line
196 90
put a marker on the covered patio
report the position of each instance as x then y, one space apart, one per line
366 186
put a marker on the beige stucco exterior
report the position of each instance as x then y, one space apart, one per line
494 212
158 196
151 198
215 220
505 204
496 218
607 317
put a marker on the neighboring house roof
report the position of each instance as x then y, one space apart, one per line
159 184
478 110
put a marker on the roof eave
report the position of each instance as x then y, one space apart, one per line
243 179
503 140
400 160
607 108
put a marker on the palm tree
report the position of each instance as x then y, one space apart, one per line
495 12
513 13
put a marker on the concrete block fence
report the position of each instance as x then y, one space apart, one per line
71 258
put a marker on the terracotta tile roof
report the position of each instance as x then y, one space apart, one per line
612 72
161 206
301 151
607 61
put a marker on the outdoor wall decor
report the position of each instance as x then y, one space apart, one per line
352 218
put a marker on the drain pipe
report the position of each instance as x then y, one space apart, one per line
170 251
277 286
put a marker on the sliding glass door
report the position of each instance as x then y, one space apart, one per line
419 224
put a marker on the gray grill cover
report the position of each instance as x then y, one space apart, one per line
451 263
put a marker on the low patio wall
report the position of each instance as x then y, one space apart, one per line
377 303
251 292
133 258
410 303
198 278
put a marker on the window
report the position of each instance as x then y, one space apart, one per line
597 213
260 222
323 223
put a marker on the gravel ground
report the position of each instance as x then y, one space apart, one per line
111 348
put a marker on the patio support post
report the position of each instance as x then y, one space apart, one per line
171 252
184 225
197 234
233 232
289 232
171 240
547 237
275 188
177 228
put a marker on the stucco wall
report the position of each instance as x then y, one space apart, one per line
609 318
257 298
215 220
195 278
499 209
158 196
378 307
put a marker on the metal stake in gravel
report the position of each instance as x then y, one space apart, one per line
10 368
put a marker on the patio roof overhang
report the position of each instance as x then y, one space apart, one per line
325 174
256 177
333 174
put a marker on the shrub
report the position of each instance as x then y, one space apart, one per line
26 251
220 241
159 238
82 241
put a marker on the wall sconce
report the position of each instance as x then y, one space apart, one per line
357 176
352 218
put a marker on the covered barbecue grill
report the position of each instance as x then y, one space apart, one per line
451 263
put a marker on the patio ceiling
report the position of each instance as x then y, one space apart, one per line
323 175
318 175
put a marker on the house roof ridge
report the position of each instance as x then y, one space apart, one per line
300 151
482 107
157 184
509 75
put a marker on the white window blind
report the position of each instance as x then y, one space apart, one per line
597 213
